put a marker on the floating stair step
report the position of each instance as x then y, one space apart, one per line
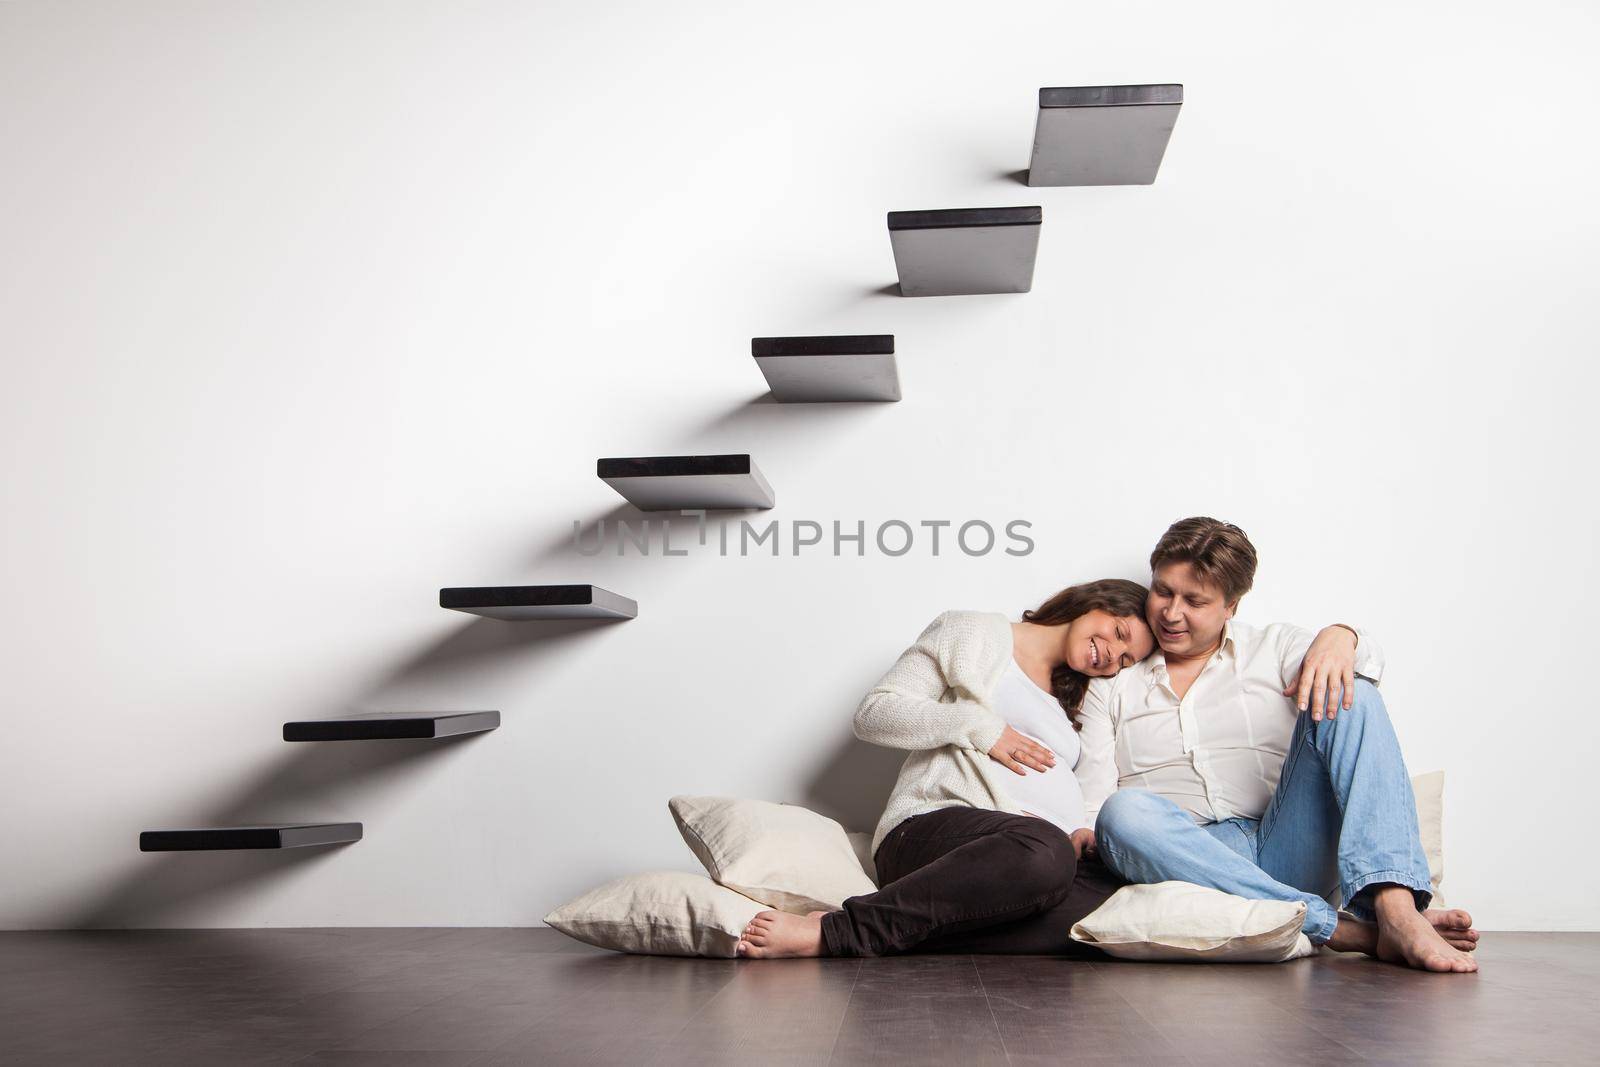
815 369
1103 134
962 251
227 838
392 726
518 603
677 483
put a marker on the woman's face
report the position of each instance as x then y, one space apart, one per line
1100 644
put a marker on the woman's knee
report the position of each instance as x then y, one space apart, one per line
1044 862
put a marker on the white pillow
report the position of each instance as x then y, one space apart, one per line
1179 921
780 854
662 913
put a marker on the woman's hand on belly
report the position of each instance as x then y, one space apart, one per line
1018 752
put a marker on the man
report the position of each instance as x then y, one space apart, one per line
1257 762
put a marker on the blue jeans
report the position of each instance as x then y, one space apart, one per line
1342 820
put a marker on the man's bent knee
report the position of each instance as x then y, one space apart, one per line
1130 814
1365 701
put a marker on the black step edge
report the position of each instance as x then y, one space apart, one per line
869 344
230 838
951 218
1110 95
515 596
671 466
393 726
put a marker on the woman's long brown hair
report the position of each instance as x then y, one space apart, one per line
1117 596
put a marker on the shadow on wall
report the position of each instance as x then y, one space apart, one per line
480 639
312 782
560 551
763 427
299 786
854 783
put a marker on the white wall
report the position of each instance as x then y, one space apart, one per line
311 308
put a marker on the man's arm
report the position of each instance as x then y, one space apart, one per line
1097 755
1319 670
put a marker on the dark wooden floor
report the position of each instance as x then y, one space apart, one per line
532 997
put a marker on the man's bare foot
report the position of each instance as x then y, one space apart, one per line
1454 925
776 935
1406 937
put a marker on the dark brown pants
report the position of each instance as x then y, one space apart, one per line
971 880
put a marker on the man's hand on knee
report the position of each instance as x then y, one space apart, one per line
1327 679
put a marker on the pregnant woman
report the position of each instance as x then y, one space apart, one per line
983 846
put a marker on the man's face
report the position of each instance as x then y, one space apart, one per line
1186 613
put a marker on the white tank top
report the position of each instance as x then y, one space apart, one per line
1052 794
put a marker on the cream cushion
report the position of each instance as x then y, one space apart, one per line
783 855
1179 921
661 913
1429 792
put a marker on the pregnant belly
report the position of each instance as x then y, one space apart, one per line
1051 795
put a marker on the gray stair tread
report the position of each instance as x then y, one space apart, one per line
267 836
965 251
679 483
392 725
822 369
517 603
1103 134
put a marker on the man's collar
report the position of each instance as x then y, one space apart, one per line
1154 667
1155 664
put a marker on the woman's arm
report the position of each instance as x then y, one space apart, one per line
905 710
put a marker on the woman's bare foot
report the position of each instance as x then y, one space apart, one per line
776 935
1454 925
1406 937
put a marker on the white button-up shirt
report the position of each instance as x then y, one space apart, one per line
1217 753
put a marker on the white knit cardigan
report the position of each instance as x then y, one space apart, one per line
938 701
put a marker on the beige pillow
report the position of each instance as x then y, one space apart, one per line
1179 921
662 913
861 845
780 854
1429 792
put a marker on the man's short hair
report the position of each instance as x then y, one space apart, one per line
1218 551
